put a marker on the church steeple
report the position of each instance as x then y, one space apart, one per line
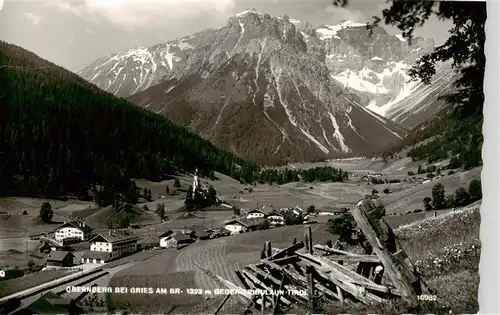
195 181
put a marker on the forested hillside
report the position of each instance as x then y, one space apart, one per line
59 135
447 136
456 132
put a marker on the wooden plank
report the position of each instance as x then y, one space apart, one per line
242 279
344 274
223 282
277 301
281 253
358 292
222 304
300 279
262 286
268 249
269 276
341 296
280 261
311 300
309 273
367 258
392 267
357 258
308 239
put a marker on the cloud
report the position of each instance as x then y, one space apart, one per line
340 14
33 18
139 13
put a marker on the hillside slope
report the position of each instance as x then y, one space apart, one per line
59 134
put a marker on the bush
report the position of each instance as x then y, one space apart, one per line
451 172
417 211
387 191
177 183
160 211
438 197
264 225
236 211
291 218
311 209
450 201
342 226
46 212
475 190
427 204
462 197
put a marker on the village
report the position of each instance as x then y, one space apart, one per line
228 234
76 243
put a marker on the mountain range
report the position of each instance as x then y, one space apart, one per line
273 89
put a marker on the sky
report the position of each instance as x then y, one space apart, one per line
73 34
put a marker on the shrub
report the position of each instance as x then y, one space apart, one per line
387 191
311 209
342 226
264 225
438 196
450 201
462 197
475 190
427 204
46 212
177 183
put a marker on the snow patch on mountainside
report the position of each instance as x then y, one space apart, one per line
330 31
249 11
379 83
315 141
337 135
401 38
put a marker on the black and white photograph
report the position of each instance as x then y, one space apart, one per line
241 157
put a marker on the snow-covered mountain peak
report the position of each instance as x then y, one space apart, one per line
330 31
248 11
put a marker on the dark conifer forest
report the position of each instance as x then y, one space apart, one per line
60 135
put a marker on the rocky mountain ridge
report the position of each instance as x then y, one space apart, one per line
270 88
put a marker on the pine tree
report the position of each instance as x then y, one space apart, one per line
177 183
211 196
46 212
475 190
427 203
189 201
438 197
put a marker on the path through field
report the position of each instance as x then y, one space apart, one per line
217 256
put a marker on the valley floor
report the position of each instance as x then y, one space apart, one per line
446 248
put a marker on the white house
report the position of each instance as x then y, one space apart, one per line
255 214
106 247
275 218
174 239
297 210
236 226
70 230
